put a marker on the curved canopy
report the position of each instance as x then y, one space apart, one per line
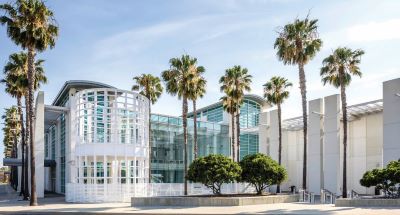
79 85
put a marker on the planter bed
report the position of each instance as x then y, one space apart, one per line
370 202
211 200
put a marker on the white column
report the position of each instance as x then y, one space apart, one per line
39 144
273 135
71 135
262 133
331 146
391 120
314 161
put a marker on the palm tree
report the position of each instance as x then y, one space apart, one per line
197 90
16 82
177 80
230 106
31 25
12 131
337 70
14 86
297 44
150 87
234 84
276 91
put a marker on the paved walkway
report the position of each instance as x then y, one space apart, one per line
57 205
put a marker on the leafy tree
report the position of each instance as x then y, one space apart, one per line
234 84
261 171
150 87
31 25
214 170
276 91
384 179
177 80
297 44
197 89
337 70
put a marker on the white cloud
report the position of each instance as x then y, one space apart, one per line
361 33
374 31
134 40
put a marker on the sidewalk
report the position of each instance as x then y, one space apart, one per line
57 205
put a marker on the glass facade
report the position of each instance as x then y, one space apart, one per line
53 142
108 116
46 145
249 114
214 114
248 144
167 145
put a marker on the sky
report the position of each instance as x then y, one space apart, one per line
113 41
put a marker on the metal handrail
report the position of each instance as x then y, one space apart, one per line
354 194
306 196
325 195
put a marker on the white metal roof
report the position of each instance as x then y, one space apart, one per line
353 112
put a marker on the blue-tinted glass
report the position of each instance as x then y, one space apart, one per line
168 147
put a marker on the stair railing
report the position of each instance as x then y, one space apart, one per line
327 197
306 196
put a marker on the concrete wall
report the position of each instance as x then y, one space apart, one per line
391 120
211 201
292 157
39 144
70 135
367 203
325 148
273 135
365 149
331 146
314 161
262 133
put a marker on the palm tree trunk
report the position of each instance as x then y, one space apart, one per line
21 119
238 134
31 76
344 112
26 149
150 141
15 156
278 188
195 129
185 141
303 91
233 136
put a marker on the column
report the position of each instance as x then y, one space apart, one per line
273 135
331 146
39 144
314 161
391 120
262 133
273 132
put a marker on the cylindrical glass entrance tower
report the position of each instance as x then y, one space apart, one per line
111 147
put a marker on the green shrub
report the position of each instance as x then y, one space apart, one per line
213 171
384 179
261 171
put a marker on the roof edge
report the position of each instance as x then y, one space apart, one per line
68 84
